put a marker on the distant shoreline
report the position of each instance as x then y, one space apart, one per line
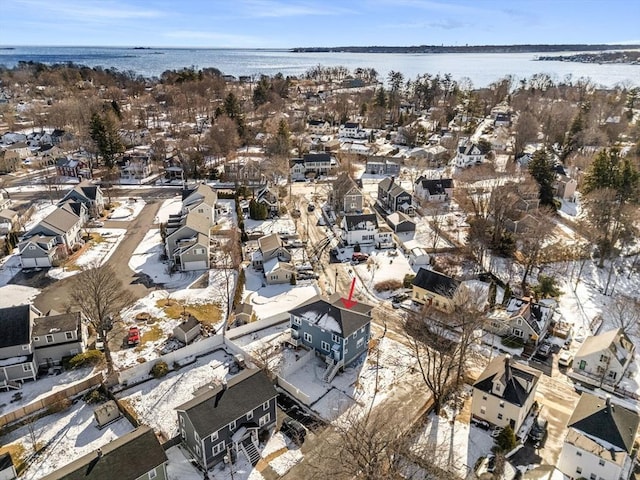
528 48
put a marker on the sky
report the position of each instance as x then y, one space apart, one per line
306 23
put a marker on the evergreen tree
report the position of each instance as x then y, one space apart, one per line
381 98
547 287
542 170
104 133
609 170
506 440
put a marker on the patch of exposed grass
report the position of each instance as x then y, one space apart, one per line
97 238
18 453
207 313
152 334
215 228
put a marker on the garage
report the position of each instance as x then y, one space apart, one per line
35 262
196 265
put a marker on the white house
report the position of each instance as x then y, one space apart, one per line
599 441
352 130
318 127
504 393
363 230
433 190
604 358
468 154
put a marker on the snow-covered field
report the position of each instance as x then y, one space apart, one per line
127 209
383 265
12 295
283 225
41 210
170 206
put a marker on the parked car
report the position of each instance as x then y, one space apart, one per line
359 257
544 350
565 358
294 430
311 207
538 429
496 431
133 338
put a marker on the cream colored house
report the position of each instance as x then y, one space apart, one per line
434 289
504 393
604 358
599 441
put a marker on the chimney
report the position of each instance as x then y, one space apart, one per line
608 400
507 368
99 453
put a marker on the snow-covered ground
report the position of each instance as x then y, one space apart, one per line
270 300
283 225
170 206
69 434
383 265
12 295
127 209
97 253
9 267
41 209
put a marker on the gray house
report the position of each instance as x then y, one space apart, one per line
226 419
55 337
17 356
136 455
63 224
187 241
393 198
40 251
346 197
382 166
90 195
336 332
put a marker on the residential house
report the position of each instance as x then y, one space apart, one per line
468 154
604 358
433 189
273 259
276 272
63 224
504 393
20 149
600 440
521 318
89 194
40 251
382 166
201 200
17 355
334 329
72 167
298 169
393 198
245 171
268 197
352 130
345 196
401 224
319 163
187 330
318 127
187 241
565 187
136 455
227 419
435 289
502 119
7 469
362 229
135 167
418 256
58 336
8 220
9 161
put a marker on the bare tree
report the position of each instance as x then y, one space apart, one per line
100 295
227 260
624 312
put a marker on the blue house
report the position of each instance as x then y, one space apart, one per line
337 333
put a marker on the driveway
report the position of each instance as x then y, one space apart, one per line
56 295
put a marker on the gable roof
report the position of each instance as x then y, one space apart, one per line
189 324
219 404
64 322
15 325
517 379
85 189
269 243
357 222
390 186
435 186
316 157
605 341
605 420
333 315
126 458
396 218
202 192
436 282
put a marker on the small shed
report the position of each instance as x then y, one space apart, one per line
187 330
243 314
418 256
106 413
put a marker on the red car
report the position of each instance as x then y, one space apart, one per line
134 336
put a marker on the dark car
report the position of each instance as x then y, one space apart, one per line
294 430
538 429
359 257
311 207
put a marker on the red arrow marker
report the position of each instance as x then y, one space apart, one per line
348 302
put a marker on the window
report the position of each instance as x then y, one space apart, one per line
232 425
153 473
519 321
214 436
32 247
307 337
362 330
250 415
518 333
355 334
360 342
265 406
335 338
593 477
604 358
601 462
264 420
196 436
578 453
25 347
483 410
49 338
26 367
36 339
184 434
612 374
218 448
325 346
578 469
296 321
69 335
484 397
499 416
181 420
501 404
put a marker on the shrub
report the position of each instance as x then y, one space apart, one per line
357 248
160 369
506 440
408 278
387 285
88 358
59 406
94 396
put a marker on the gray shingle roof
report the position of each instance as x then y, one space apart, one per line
605 420
514 377
65 322
126 458
436 282
358 222
212 410
348 320
15 326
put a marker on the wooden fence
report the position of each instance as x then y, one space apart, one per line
50 400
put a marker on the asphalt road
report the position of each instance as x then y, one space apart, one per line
55 296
